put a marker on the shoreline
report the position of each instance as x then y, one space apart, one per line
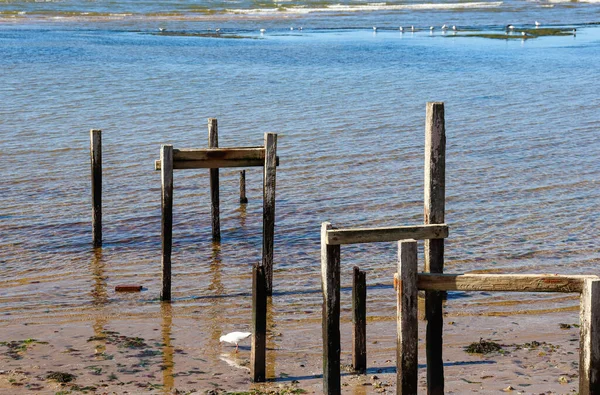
143 355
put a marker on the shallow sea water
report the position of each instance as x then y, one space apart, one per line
348 105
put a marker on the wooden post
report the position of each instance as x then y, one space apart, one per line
330 284
243 198
270 169
359 321
435 195
589 354
166 160
96 161
213 142
407 307
259 325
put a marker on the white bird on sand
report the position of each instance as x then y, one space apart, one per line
235 338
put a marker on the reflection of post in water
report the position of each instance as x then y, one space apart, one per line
271 328
99 294
167 319
217 289
359 388
99 299
243 215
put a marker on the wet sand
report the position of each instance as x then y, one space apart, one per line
141 355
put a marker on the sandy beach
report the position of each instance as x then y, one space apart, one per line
539 355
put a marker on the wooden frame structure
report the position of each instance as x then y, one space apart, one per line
408 282
433 231
214 158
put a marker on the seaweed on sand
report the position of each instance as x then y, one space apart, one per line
61 377
483 347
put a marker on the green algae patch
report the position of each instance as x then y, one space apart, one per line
517 34
196 34
111 337
17 348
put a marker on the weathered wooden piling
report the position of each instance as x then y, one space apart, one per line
166 160
259 325
243 198
589 354
270 169
359 320
213 142
408 324
330 280
96 162
434 199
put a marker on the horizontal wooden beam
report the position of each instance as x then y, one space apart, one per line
214 158
502 282
396 233
214 163
219 153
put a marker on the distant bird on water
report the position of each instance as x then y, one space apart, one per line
509 27
454 27
444 27
162 29
235 338
537 24
374 28
401 29
263 30
412 28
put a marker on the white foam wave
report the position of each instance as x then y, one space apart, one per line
368 7
570 1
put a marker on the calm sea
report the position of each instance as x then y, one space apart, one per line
348 104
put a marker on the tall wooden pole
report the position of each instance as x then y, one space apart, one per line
166 169
589 354
259 325
435 196
213 142
270 169
243 198
330 284
359 320
96 161
407 366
